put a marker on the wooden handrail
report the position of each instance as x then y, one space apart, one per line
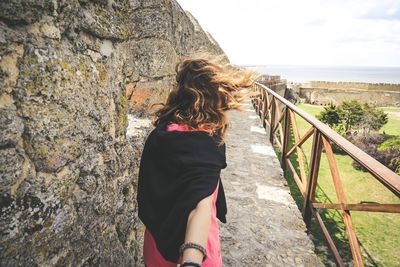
387 177
391 208
278 113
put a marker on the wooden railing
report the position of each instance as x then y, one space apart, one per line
279 114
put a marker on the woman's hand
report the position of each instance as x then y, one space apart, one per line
197 229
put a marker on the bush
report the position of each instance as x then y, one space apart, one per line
394 165
390 142
373 118
352 116
360 123
362 139
369 144
329 115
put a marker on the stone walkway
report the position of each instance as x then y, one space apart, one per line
264 227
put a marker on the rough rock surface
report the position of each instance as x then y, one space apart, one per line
68 170
264 226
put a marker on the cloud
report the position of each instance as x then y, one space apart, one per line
319 21
308 32
384 10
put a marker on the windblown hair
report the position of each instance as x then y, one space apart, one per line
205 90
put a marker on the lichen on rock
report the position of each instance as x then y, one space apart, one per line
70 72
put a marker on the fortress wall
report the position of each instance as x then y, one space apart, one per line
320 96
324 92
352 85
279 88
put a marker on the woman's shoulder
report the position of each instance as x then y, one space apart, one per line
181 127
172 126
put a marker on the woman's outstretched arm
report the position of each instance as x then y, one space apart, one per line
197 229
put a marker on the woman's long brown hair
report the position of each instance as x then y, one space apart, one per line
205 90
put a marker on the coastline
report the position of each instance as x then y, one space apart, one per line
353 74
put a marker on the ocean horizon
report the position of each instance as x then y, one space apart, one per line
299 73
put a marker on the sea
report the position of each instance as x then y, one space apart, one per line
298 73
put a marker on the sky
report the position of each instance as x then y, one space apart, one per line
303 32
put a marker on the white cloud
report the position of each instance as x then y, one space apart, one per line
383 10
309 32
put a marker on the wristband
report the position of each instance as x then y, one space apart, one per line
189 263
195 246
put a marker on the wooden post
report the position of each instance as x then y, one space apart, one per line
300 158
272 121
262 113
253 98
260 102
265 110
286 137
256 100
351 234
328 238
316 151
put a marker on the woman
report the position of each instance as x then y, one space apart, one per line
180 193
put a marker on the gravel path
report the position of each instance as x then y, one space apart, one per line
264 227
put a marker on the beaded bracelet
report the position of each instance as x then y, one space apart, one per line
189 263
195 246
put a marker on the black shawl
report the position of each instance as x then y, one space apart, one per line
177 170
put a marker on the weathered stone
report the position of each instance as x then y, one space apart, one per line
50 31
24 11
11 168
158 58
8 66
147 93
153 23
69 73
108 22
11 127
163 4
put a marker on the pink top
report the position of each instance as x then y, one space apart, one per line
153 258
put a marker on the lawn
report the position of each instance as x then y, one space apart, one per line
393 126
378 233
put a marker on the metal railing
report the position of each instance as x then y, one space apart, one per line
279 114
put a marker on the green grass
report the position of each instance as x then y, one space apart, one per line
390 109
392 141
378 233
393 125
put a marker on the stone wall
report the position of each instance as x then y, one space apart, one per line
323 93
279 86
274 82
353 86
69 73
